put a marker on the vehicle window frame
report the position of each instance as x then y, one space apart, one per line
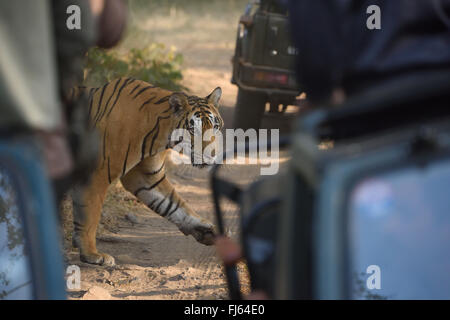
330 222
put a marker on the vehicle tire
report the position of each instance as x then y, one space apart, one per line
249 109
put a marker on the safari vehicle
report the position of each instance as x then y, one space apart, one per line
31 263
263 63
365 217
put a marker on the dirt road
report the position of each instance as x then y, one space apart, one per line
154 260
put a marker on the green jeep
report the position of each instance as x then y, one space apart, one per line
263 63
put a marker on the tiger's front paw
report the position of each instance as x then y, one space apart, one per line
203 232
204 235
102 259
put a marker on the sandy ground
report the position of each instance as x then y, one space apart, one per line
154 260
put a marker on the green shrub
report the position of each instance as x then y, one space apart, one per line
155 64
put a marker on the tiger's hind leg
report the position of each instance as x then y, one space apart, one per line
148 182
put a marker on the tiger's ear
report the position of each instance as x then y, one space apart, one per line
214 96
179 102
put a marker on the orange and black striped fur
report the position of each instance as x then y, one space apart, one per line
135 120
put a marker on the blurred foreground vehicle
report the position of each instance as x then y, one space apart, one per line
263 63
45 143
31 264
362 211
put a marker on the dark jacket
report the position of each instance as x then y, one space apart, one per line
338 50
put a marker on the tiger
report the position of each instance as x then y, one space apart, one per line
134 121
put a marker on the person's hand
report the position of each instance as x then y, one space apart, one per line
56 153
228 250
231 253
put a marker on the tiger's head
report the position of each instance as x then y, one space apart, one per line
200 120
